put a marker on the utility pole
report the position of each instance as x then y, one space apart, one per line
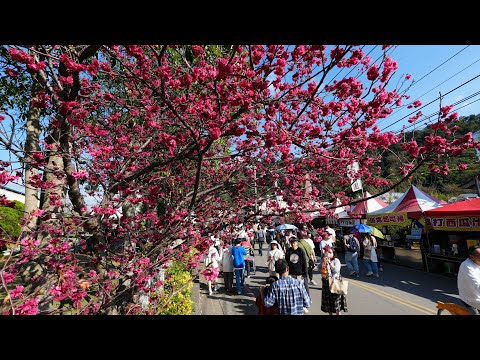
255 185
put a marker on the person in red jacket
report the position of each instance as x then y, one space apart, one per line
263 291
249 257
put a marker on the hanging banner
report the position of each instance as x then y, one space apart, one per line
454 223
393 218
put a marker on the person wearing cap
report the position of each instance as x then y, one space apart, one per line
297 263
288 294
273 255
329 241
297 260
468 280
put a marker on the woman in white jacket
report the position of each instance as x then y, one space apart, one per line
273 255
370 258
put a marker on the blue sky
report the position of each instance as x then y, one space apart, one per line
419 60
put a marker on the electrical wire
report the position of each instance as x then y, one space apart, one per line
418 97
424 121
431 102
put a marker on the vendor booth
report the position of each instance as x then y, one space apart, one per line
347 219
339 212
452 229
362 208
406 211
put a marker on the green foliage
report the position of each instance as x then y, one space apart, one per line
10 219
433 190
176 296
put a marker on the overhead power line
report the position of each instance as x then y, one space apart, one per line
424 76
431 102
465 68
450 58
425 119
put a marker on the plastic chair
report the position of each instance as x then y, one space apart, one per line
453 309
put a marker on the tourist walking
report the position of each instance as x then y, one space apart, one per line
211 270
227 266
260 236
297 263
331 303
273 255
311 259
370 254
238 253
287 293
352 247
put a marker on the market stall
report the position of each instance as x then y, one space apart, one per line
362 208
354 216
452 229
406 211
321 219
337 211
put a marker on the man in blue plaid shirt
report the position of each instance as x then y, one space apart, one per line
288 293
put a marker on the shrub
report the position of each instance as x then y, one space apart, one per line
175 299
10 219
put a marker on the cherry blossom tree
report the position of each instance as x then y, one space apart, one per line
139 152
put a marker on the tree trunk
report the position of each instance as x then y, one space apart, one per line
31 145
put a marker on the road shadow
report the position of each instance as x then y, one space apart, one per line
435 287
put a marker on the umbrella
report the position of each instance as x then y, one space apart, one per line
362 228
377 233
286 227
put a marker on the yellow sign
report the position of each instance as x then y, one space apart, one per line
456 223
471 242
393 218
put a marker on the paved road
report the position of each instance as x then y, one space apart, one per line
398 291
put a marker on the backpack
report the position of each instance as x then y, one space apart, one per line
353 244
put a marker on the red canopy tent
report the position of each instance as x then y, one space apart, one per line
466 207
459 216
338 212
365 206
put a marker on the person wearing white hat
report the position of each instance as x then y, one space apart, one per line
273 255
330 240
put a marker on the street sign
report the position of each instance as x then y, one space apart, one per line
357 185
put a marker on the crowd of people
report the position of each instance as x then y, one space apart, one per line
292 257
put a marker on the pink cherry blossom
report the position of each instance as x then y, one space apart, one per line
144 150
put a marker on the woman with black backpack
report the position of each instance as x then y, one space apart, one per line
352 248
